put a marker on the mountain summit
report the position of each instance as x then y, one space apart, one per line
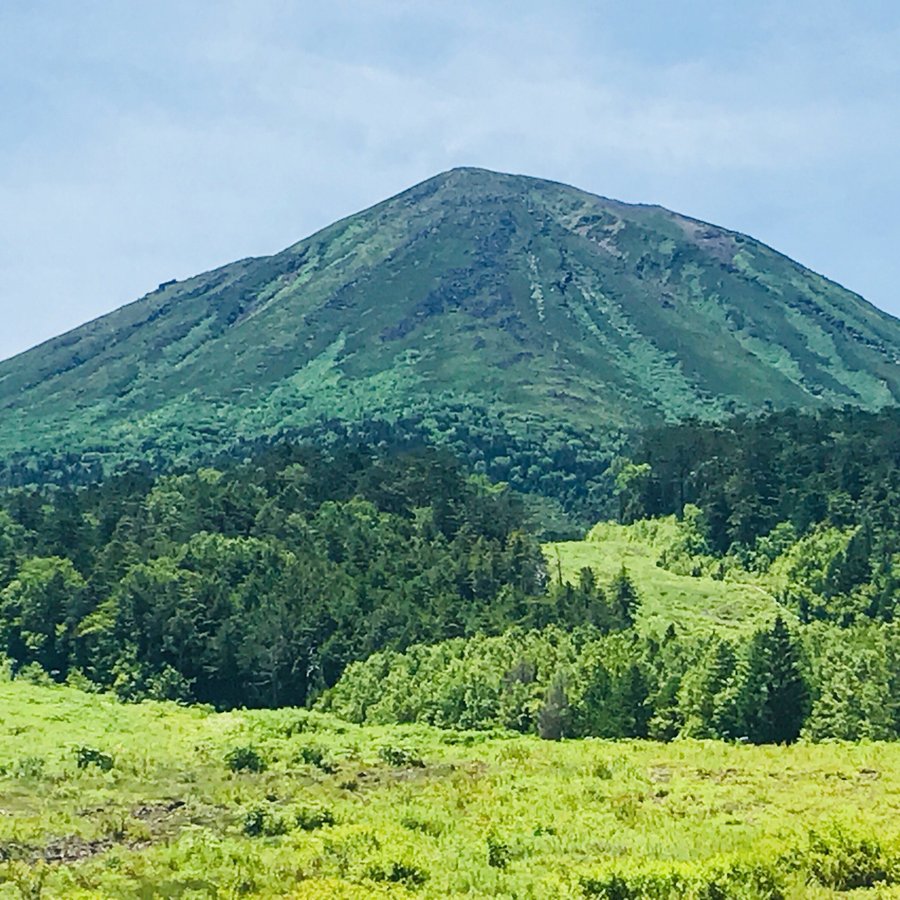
517 295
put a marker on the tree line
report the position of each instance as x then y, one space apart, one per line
257 584
771 686
263 579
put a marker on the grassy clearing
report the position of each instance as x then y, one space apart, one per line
692 603
101 799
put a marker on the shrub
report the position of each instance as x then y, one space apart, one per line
400 757
314 755
34 673
91 756
741 879
499 853
399 873
28 767
309 818
554 715
297 723
245 759
259 821
665 880
431 827
839 859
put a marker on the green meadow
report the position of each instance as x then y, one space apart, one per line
104 799
693 603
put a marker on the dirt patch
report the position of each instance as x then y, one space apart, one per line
717 243
156 812
64 850
74 849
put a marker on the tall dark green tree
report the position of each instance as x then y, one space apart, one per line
623 598
775 698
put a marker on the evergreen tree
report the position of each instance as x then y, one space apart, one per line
854 699
623 599
630 695
708 694
775 698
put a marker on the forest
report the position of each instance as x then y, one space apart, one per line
392 582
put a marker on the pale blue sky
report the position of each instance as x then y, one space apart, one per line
146 141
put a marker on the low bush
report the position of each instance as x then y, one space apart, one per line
399 873
245 759
315 755
91 756
259 822
670 880
841 859
309 818
400 757
28 767
499 853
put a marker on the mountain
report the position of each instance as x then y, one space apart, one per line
515 295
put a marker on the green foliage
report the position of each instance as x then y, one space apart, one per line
91 756
765 687
256 822
809 501
259 583
499 854
245 759
490 815
696 593
667 881
846 860
29 767
410 876
775 695
400 757
623 598
309 818
855 699
40 610
553 714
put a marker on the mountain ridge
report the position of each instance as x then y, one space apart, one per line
516 294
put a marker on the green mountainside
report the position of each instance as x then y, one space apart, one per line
509 294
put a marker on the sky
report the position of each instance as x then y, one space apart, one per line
141 142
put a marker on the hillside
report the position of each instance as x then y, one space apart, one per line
693 603
525 298
106 800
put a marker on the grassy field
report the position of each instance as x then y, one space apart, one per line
692 603
101 799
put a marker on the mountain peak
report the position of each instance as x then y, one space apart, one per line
503 293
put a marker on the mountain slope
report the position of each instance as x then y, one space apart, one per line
514 294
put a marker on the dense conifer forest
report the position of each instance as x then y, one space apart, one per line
259 582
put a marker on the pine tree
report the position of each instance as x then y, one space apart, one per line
623 598
707 694
630 694
775 695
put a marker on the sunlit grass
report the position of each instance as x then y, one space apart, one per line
455 814
692 603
